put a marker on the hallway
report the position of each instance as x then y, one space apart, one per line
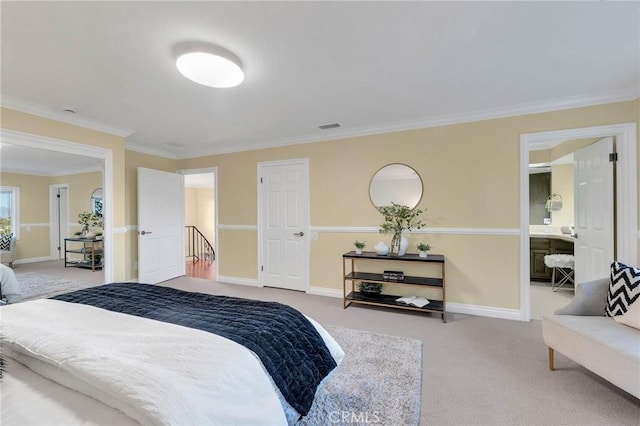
200 269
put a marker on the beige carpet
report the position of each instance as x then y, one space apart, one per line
38 286
379 382
475 370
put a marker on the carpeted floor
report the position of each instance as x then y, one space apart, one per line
38 286
379 381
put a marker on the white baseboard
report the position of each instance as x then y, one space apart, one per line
455 308
32 260
484 311
328 292
238 280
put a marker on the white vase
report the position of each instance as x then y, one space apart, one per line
403 246
422 254
358 250
381 248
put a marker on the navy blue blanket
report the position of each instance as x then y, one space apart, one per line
288 345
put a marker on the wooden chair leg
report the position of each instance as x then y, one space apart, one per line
551 366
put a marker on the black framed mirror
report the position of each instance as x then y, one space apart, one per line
395 183
96 202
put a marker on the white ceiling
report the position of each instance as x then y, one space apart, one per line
34 161
370 66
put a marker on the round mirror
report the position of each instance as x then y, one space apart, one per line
395 183
96 202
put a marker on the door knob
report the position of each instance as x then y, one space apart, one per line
299 234
145 232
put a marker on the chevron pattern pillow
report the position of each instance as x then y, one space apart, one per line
624 288
5 242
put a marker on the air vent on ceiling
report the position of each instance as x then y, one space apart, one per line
329 126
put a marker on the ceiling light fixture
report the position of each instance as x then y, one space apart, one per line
209 65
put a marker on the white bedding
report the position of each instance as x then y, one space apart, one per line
157 373
9 283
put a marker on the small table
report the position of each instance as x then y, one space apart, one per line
91 250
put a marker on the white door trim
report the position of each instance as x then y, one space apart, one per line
106 154
53 203
298 161
216 226
626 193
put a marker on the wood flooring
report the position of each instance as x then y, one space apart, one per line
200 269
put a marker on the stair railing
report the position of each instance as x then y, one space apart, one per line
198 247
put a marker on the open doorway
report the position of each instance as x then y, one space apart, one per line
625 198
553 206
39 163
200 223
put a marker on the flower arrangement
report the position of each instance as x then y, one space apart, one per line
89 219
398 218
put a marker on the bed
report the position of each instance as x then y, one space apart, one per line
9 288
128 353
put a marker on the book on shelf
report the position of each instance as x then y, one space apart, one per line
395 276
416 301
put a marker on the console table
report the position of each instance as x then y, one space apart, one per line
91 250
387 300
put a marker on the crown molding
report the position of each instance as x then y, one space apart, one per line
594 99
37 172
50 113
601 98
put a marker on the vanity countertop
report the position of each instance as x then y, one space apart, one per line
544 231
563 237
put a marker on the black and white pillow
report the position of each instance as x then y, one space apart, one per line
5 241
624 288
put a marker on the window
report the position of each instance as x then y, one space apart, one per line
10 210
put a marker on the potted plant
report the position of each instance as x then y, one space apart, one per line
359 246
369 289
398 218
423 249
88 220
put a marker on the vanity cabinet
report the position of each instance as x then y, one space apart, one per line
538 249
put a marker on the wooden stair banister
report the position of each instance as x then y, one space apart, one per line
198 247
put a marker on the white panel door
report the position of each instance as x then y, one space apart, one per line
160 226
593 215
284 188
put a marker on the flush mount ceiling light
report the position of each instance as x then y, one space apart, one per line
209 65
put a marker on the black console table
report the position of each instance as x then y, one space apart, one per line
91 250
354 276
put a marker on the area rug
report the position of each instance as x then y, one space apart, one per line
379 382
38 286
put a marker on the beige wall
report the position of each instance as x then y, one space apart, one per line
34 207
562 184
471 177
19 121
200 210
470 172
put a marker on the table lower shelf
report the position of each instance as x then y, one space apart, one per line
388 300
82 264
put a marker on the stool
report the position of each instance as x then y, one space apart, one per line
564 265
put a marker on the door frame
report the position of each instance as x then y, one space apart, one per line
213 170
54 253
307 259
15 137
626 193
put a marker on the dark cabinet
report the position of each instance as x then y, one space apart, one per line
539 248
